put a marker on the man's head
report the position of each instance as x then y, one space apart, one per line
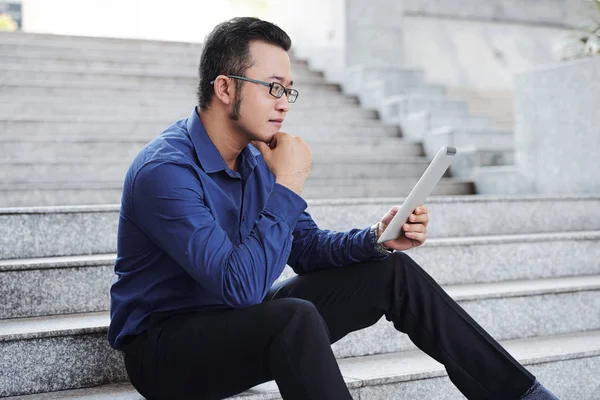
247 48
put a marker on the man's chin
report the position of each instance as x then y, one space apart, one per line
263 138
267 136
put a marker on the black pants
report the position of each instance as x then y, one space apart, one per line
214 354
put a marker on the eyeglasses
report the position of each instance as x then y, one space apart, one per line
276 89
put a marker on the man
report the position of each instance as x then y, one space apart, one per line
211 213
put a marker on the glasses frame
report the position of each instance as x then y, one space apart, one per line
270 85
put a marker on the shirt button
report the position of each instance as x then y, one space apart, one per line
243 217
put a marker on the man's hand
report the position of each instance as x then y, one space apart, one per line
414 231
289 158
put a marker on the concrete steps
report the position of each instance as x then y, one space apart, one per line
296 117
438 106
126 78
50 149
418 126
499 179
507 310
503 310
524 267
56 129
147 85
113 170
405 78
103 43
82 67
70 193
318 92
469 137
376 90
32 232
101 64
167 108
110 99
567 364
474 158
76 284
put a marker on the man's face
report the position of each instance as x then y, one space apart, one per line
260 114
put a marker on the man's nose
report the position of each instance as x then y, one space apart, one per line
282 104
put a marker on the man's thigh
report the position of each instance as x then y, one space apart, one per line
208 354
348 298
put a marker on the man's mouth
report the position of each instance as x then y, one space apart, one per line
277 121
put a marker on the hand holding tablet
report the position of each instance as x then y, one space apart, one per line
419 193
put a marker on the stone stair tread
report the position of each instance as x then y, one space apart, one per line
147 57
498 169
124 70
467 199
516 238
90 260
380 369
395 367
469 129
352 130
367 121
523 287
125 163
72 324
117 184
155 87
54 325
125 74
485 149
118 140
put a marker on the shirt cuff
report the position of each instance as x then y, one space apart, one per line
381 251
285 204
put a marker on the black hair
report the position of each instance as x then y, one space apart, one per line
226 51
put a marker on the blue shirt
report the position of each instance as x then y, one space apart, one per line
194 234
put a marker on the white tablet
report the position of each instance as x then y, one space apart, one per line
422 189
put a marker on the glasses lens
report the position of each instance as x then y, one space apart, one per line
277 90
292 95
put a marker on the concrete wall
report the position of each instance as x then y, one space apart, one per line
475 47
532 12
557 128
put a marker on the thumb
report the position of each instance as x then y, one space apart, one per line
387 218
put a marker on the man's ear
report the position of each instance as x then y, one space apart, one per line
223 89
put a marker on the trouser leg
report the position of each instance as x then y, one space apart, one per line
354 297
219 353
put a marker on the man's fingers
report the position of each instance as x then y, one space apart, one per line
419 237
420 210
422 218
419 228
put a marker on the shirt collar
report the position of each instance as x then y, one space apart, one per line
208 155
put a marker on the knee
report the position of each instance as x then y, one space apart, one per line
398 259
401 258
301 316
404 264
297 308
